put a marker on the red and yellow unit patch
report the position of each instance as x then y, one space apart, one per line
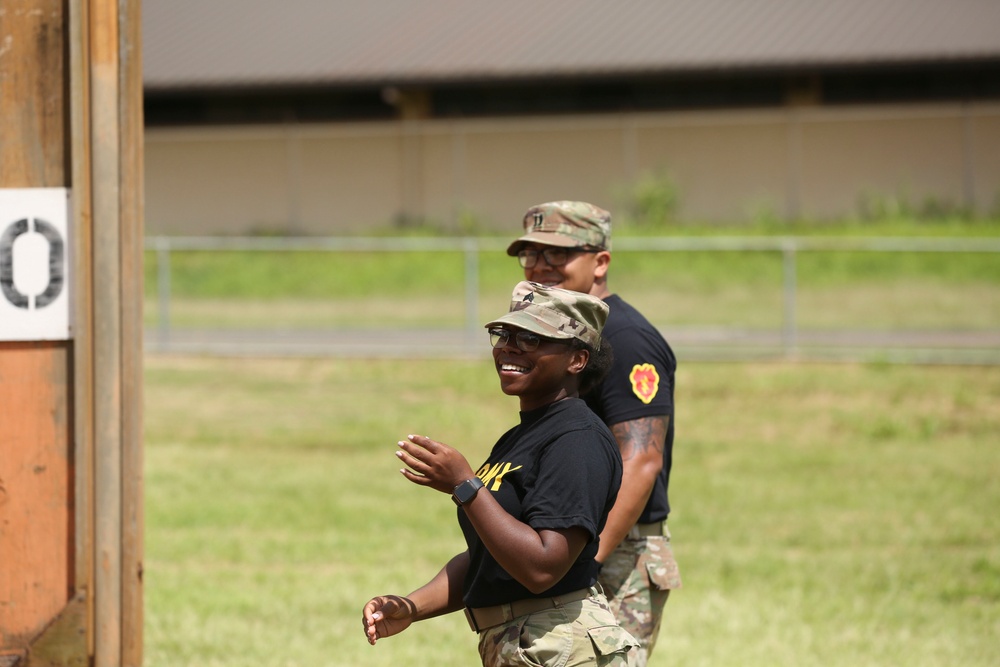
645 381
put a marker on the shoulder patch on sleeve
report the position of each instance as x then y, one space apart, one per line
645 381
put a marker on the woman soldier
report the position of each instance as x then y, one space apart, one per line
532 514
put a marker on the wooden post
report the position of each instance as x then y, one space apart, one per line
70 409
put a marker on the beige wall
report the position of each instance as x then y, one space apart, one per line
725 165
337 178
984 161
917 154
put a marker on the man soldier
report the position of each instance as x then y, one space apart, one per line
567 244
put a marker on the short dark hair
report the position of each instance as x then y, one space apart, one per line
597 366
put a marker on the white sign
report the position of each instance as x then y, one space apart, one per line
34 264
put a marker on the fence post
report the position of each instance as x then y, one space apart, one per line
790 327
163 289
471 250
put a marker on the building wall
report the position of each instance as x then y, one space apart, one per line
728 165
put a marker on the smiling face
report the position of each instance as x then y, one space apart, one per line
577 274
542 376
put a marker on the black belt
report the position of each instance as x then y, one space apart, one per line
487 617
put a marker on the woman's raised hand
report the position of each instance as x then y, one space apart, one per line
434 464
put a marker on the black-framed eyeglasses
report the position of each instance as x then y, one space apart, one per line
554 256
526 341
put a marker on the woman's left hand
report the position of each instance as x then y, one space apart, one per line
433 463
387 615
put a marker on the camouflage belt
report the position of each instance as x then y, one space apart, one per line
484 618
645 530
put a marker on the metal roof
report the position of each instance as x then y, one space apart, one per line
191 44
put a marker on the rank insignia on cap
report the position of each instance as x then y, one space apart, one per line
645 381
539 218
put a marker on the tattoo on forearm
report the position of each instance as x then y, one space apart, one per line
638 436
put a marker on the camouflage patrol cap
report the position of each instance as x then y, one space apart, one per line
567 224
555 313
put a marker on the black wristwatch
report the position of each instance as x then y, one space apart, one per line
466 491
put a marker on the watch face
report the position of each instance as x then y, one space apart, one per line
466 491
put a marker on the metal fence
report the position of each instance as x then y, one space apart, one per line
949 345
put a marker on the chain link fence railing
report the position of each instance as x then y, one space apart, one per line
903 299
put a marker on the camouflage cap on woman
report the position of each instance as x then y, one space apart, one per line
567 224
555 313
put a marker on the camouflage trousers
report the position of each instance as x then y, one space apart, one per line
637 578
578 633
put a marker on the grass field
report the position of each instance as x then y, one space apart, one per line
831 515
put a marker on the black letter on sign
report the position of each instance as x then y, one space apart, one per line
56 263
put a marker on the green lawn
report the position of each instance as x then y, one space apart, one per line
823 514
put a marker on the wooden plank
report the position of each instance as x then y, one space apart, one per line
36 518
36 505
105 172
131 176
107 314
31 94
83 358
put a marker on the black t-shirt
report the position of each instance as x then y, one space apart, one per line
559 468
640 384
